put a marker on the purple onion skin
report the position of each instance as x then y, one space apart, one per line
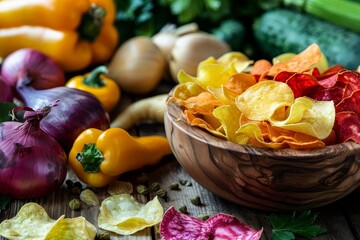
33 66
76 111
32 164
6 93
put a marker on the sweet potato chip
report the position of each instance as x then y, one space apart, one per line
260 67
300 62
123 214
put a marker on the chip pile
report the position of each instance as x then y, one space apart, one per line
295 102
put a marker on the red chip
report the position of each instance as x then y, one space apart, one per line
176 225
350 103
351 78
327 94
347 126
300 83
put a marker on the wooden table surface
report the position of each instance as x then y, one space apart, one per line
341 219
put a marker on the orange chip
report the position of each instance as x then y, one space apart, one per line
260 67
239 82
203 103
300 62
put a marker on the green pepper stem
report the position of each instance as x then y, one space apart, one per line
90 158
91 23
94 79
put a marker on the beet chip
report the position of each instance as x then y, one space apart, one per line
347 126
300 83
350 103
176 225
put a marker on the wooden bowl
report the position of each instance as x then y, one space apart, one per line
263 178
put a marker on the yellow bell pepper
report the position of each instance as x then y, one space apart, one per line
99 157
76 33
103 88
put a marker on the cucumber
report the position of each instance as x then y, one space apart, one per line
283 30
232 32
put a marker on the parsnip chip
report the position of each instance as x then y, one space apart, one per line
32 222
262 100
72 228
314 118
123 214
229 116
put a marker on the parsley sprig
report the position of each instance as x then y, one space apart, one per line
285 227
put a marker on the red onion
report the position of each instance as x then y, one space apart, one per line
76 111
32 164
33 66
6 93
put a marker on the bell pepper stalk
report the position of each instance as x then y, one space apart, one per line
97 83
99 157
76 34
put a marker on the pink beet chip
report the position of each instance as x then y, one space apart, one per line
176 225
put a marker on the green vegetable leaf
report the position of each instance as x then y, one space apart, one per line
5 109
285 227
4 202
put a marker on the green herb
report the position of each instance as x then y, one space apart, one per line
4 202
5 109
174 186
161 193
186 183
183 209
196 201
203 216
75 204
154 186
142 189
285 227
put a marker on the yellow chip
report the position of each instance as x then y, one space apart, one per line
229 116
186 90
123 214
72 228
311 117
31 222
262 100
